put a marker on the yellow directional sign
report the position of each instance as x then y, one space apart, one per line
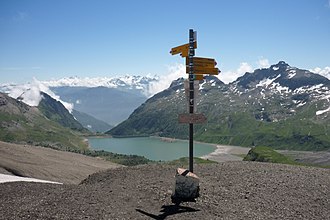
198 77
183 49
205 62
210 71
199 70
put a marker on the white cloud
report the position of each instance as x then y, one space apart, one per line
263 63
243 68
31 93
164 81
230 76
323 72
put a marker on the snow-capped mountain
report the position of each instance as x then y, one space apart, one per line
122 82
291 86
280 106
110 99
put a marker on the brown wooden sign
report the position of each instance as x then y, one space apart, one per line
192 118
182 49
201 61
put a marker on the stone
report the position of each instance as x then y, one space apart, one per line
186 186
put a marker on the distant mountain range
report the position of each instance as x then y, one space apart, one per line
125 83
110 105
98 102
281 106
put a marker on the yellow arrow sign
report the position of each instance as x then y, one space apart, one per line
200 61
200 70
198 77
210 71
183 49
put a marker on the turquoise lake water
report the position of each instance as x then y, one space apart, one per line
153 148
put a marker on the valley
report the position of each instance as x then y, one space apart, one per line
281 106
261 108
164 110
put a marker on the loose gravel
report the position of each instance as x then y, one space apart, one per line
230 190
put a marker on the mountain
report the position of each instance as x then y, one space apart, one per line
109 99
90 122
281 106
140 83
21 123
55 111
110 105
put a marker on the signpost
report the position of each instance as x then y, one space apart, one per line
196 67
194 118
187 184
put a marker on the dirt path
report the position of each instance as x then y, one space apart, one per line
308 157
48 164
231 190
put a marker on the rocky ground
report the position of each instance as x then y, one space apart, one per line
230 190
320 158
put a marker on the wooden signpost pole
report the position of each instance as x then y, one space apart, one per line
191 98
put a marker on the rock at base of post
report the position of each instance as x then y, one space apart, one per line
186 186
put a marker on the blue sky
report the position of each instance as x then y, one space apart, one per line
53 39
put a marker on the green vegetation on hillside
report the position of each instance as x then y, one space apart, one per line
20 123
241 119
241 129
40 132
55 111
267 154
127 160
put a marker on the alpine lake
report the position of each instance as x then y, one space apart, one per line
153 148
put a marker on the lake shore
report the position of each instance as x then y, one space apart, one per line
221 153
225 153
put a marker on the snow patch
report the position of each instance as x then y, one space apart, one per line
301 104
306 88
280 89
276 68
267 82
292 73
201 86
4 178
320 112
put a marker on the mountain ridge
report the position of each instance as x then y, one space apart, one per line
264 107
21 123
